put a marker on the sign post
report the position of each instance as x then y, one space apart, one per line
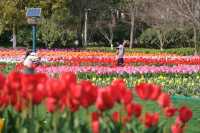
34 38
33 16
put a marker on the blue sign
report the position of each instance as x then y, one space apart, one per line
33 12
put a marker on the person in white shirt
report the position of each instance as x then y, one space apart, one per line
31 61
120 53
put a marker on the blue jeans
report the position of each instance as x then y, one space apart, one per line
120 61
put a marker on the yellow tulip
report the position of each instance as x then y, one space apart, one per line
1 124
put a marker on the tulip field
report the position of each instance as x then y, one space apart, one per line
83 91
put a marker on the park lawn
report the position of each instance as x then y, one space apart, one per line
194 104
193 126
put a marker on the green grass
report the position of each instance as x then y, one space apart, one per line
178 51
193 126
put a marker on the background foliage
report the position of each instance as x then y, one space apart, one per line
63 23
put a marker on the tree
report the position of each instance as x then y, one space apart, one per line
98 11
77 9
12 16
50 32
132 7
57 24
107 19
106 25
187 13
13 13
158 16
1 20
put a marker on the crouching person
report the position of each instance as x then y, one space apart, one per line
31 61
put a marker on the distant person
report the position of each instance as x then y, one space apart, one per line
31 61
120 53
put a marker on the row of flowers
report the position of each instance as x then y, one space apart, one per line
175 84
128 60
181 69
105 60
73 52
26 92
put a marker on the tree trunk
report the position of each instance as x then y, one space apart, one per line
14 37
132 27
80 32
111 27
46 44
160 37
111 43
161 44
195 40
85 28
111 34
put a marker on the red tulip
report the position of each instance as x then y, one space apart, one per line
39 94
164 100
95 122
100 103
19 106
76 91
185 114
50 104
55 88
73 104
148 91
13 99
95 116
127 97
151 119
143 90
169 111
63 102
89 93
4 100
2 81
137 109
69 78
30 90
129 109
156 91
117 89
116 117
134 109
104 100
13 82
41 77
95 127
176 128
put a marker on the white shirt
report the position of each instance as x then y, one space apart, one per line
30 60
121 51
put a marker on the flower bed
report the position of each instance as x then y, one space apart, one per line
181 69
111 61
109 106
187 85
84 107
75 52
150 60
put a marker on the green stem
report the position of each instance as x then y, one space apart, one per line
55 118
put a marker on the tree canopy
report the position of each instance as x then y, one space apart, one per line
63 21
